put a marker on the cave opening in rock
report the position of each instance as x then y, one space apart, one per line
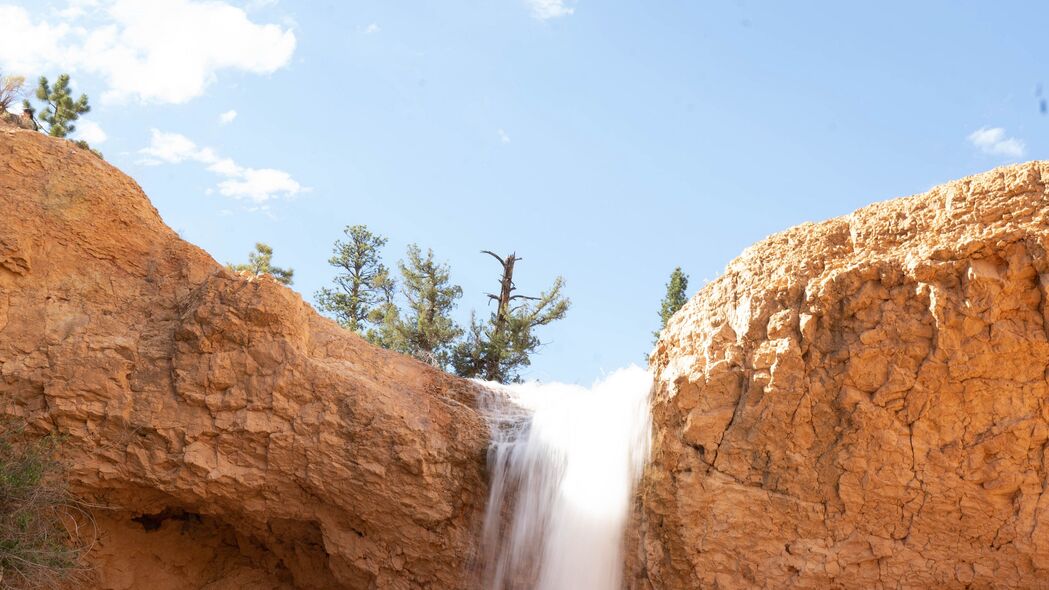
152 522
563 464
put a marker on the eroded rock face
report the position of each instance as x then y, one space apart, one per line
862 403
235 438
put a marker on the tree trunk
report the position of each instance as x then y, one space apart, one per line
506 288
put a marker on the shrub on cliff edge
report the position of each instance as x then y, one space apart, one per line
40 540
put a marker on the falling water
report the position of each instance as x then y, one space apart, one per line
563 461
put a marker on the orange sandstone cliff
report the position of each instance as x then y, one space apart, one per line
862 403
859 403
229 436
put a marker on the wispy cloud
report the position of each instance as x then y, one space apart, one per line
227 117
172 148
503 137
77 8
548 9
371 29
90 132
258 185
993 141
164 51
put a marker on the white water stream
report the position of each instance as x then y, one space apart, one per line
564 461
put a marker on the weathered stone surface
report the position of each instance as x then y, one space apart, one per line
236 438
862 403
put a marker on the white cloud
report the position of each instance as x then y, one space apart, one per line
24 45
992 140
164 51
172 148
227 117
548 9
372 28
259 185
503 137
77 8
239 182
226 167
90 132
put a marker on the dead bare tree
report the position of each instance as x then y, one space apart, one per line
506 287
495 349
11 91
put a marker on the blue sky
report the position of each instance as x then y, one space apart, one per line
604 141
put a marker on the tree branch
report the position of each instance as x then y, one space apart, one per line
494 255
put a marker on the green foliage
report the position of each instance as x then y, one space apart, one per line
676 297
496 349
28 107
60 110
387 328
384 319
363 288
427 331
365 298
259 263
80 143
36 514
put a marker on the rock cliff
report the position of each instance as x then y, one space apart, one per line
862 403
229 436
858 403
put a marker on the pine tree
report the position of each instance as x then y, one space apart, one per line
60 110
385 317
496 349
676 297
259 263
363 284
427 330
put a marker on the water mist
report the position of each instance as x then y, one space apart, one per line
564 461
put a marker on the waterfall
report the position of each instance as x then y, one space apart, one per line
563 464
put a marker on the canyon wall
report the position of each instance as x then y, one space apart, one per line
857 403
225 434
861 403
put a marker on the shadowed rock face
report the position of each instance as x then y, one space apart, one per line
862 403
236 438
